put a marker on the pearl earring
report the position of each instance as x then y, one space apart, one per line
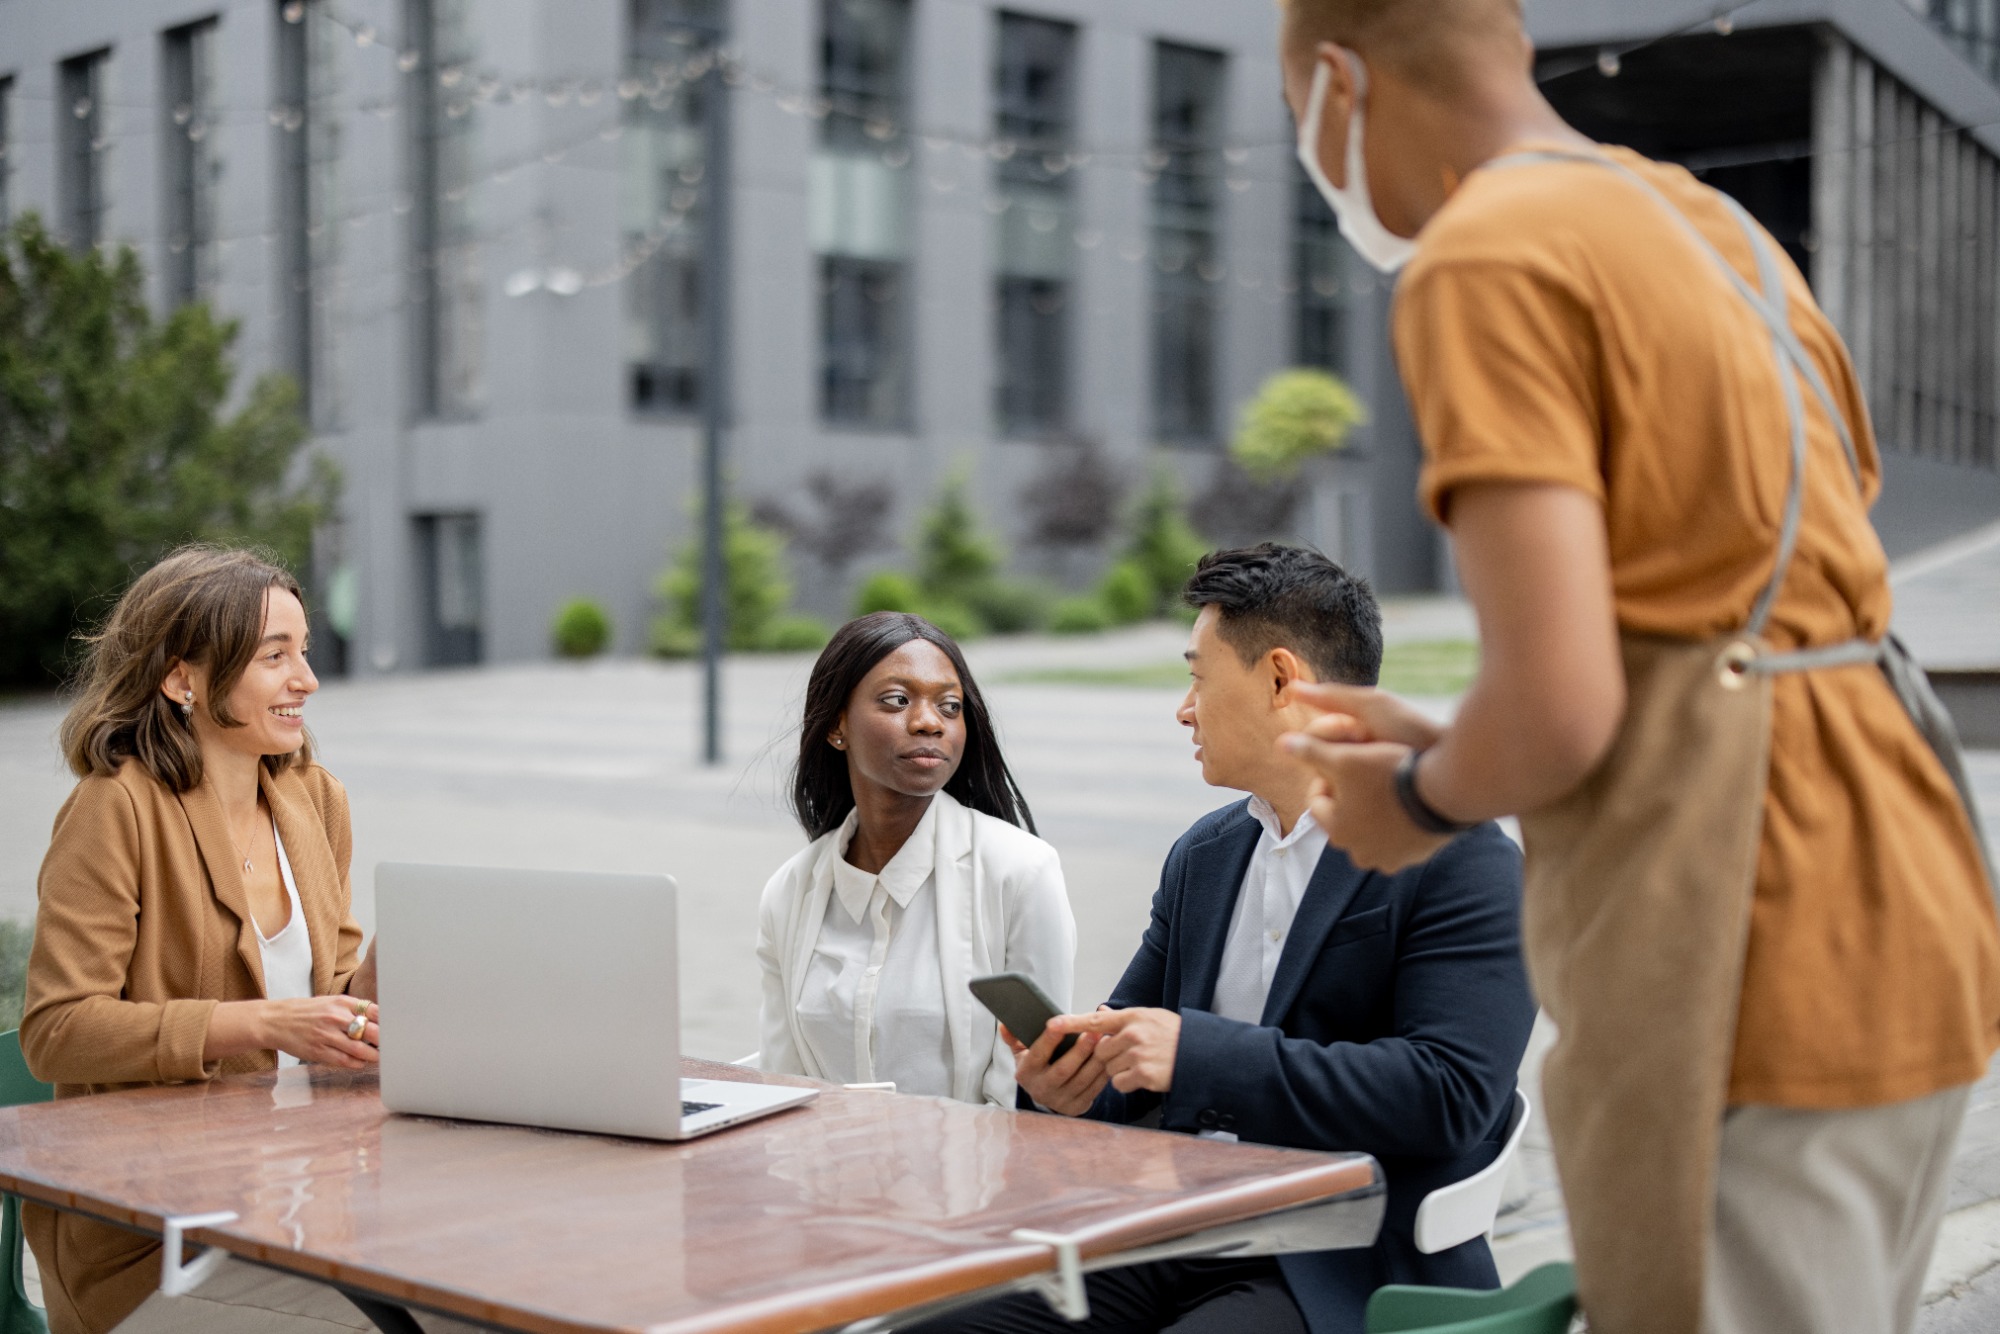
839 744
187 705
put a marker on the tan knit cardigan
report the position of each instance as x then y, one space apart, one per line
142 927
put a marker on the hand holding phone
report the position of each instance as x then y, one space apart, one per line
1017 1002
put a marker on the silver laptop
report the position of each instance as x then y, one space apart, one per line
542 998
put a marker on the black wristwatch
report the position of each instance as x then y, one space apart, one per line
1422 814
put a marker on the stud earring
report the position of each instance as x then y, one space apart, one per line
839 744
187 705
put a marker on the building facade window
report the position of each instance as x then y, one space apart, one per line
189 166
80 145
1972 26
452 549
1323 277
858 214
444 260
664 198
1186 164
307 149
1034 123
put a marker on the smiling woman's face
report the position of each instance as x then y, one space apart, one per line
269 699
904 725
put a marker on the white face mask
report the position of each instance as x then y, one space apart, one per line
1359 222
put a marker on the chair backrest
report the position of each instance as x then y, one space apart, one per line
1453 1215
17 1085
1542 1302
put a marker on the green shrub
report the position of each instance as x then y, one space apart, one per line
582 629
955 559
1296 415
756 591
887 590
1163 544
954 618
1079 616
1126 593
1010 606
15 938
796 634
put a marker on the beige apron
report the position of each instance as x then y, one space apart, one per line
1637 911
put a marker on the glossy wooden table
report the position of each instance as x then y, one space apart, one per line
858 1205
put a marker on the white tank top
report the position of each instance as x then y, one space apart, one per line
287 956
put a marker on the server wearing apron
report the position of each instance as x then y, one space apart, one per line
1758 908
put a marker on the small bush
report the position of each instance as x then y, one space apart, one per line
1126 593
796 634
1163 544
15 939
1009 606
756 590
954 618
887 590
1079 616
955 559
582 629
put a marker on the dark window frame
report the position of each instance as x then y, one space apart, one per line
79 148
866 304
1189 123
187 160
665 294
1034 100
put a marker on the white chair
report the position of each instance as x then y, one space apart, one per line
1453 1215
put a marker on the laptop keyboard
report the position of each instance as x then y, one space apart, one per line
694 1108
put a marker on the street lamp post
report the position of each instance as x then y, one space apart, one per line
714 400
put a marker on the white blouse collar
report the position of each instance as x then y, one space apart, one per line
902 877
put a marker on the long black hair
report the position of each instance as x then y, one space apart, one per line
822 792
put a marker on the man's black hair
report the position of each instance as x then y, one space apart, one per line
1274 596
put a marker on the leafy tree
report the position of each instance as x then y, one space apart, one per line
1296 415
114 446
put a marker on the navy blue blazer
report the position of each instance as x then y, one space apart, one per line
1395 1025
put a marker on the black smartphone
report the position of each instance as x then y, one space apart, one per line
1018 1003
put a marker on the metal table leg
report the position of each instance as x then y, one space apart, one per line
386 1316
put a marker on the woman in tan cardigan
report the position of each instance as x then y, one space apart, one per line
194 913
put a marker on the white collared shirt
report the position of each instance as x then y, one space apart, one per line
872 1008
1273 887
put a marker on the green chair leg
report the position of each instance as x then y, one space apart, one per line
18 1085
18 1315
1543 1302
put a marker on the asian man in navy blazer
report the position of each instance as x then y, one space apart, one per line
1283 996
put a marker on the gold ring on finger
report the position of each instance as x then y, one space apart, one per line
361 1007
358 1027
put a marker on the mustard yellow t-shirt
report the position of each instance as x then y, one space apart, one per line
1558 325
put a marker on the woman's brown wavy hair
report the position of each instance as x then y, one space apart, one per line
202 605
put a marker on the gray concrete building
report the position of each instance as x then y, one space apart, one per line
956 231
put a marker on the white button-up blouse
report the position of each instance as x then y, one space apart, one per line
981 895
873 1005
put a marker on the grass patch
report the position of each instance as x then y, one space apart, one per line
15 938
1154 675
1433 667
1438 667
